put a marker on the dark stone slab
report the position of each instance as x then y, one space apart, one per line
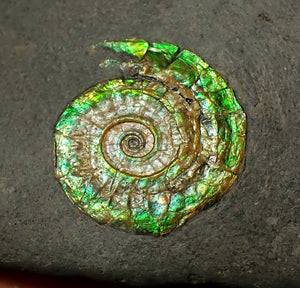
249 238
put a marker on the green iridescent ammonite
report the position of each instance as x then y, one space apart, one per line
149 152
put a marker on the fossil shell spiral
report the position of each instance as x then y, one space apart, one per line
148 152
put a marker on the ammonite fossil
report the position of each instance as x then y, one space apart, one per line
148 152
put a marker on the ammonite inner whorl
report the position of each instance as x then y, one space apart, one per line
147 153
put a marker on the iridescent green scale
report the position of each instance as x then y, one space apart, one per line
146 153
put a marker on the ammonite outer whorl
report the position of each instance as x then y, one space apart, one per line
149 152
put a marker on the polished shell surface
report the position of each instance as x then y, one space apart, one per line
147 152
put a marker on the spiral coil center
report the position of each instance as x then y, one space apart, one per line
132 143
127 147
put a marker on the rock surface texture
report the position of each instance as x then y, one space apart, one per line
250 238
